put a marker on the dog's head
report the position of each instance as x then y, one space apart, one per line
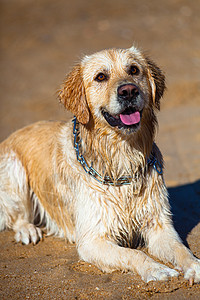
115 87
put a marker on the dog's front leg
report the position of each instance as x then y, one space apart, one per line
164 243
108 256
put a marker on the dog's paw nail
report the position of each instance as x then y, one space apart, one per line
150 278
191 281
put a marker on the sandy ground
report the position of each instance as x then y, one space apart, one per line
40 40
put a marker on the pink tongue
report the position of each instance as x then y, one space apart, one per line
130 119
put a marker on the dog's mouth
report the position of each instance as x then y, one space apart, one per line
128 119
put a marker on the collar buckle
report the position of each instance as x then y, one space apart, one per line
152 161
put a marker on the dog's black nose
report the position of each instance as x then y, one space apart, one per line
127 92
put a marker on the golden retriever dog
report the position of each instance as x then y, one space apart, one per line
98 181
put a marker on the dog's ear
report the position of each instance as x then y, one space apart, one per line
72 95
157 82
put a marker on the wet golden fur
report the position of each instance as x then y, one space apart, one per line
42 182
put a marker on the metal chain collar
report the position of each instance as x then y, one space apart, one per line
152 161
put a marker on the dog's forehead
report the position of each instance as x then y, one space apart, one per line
110 59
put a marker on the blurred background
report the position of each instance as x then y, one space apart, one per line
42 39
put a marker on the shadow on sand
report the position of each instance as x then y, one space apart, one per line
185 204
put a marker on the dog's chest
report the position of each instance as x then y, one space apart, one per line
122 215
112 209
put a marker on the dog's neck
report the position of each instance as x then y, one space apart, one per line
114 154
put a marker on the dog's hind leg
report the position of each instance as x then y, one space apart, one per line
15 202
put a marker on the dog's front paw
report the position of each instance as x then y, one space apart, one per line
157 272
193 272
28 233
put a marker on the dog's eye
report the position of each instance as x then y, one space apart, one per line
101 77
134 70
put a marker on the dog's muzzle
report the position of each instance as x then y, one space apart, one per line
128 95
